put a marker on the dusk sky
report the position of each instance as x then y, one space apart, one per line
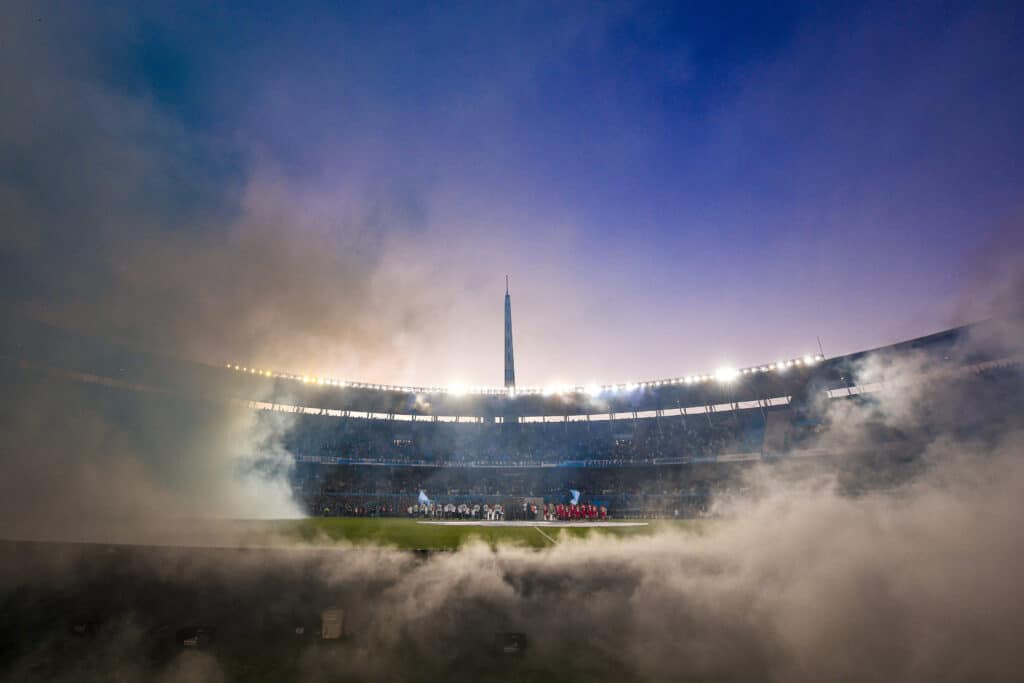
341 188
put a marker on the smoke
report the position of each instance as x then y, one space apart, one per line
111 227
122 220
95 463
124 223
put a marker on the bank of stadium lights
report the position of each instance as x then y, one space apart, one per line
724 375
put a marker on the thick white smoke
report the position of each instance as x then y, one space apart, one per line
102 464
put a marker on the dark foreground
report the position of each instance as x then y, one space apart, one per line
809 587
105 612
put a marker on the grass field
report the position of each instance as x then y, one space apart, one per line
408 534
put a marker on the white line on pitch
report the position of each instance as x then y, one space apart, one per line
545 535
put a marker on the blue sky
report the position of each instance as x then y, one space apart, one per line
341 187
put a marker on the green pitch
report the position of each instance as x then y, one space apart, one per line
410 535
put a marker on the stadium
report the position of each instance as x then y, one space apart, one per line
634 341
651 449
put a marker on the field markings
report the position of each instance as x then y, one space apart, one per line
541 532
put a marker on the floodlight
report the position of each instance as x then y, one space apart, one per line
725 374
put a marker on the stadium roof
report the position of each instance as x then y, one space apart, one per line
39 347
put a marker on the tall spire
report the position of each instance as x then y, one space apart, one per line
510 365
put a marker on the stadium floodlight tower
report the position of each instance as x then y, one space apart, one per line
510 364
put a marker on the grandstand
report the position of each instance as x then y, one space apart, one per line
662 447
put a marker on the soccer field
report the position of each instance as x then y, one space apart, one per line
410 534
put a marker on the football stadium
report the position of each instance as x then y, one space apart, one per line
564 495
638 341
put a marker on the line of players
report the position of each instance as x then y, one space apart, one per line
491 513
571 512
551 512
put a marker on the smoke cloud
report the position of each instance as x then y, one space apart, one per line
117 465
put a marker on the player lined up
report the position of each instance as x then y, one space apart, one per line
572 512
490 513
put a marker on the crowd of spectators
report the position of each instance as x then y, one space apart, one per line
611 442
639 441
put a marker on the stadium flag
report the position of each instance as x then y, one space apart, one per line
423 498
575 496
